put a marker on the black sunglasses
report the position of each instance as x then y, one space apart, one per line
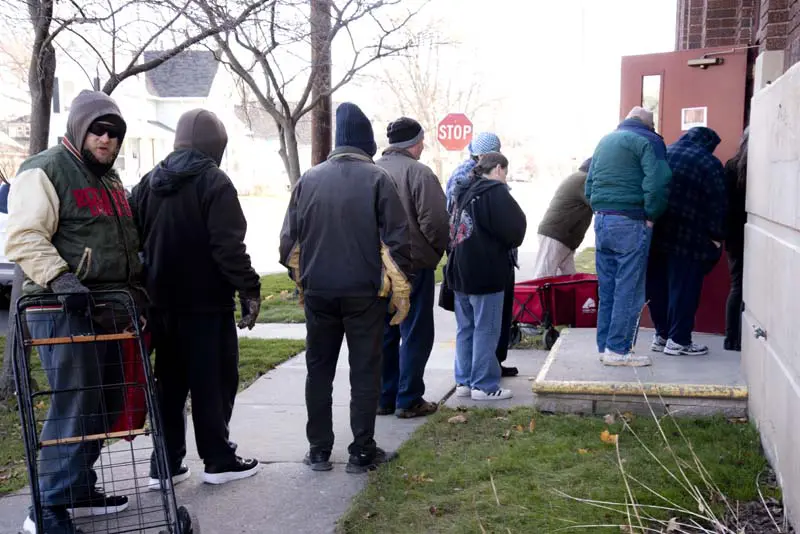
100 129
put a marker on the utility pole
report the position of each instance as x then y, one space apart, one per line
321 115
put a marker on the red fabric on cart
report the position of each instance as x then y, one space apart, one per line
134 411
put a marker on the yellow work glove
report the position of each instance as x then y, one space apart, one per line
294 266
400 302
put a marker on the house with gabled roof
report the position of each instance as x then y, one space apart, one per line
152 103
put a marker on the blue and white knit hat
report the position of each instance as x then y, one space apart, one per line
483 143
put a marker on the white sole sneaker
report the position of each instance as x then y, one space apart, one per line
154 484
29 526
463 391
613 359
97 511
500 394
683 351
229 476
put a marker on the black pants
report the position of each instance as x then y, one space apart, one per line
673 288
328 322
734 308
197 353
505 327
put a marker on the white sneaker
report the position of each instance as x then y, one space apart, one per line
658 344
613 359
500 394
180 475
692 349
463 391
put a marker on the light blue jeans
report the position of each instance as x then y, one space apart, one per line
623 245
479 319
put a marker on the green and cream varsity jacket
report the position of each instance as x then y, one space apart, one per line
63 218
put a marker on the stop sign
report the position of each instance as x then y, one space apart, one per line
455 131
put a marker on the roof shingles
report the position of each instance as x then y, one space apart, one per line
190 74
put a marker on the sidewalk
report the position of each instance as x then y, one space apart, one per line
269 423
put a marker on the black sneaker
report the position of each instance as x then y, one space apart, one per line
508 371
98 503
385 410
56 520
318 460
178 475
236 469
361 463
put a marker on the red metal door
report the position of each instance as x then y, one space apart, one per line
685 95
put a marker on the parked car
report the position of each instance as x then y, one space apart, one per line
6 266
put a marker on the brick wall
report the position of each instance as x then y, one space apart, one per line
709 23
792 34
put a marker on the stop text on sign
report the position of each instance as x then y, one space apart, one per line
455 131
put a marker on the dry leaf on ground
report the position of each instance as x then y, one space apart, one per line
457 419
583 451
507 434
422 477
519 428
607 437
609 419
673 525
628 416
532 425
501 418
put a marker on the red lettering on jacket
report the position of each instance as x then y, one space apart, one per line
98 202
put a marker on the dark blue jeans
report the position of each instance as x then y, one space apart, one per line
673 289
406 348
623 245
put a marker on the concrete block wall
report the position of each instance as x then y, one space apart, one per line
772 278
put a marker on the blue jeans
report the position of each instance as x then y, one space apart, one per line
622 245
407 347
66 472
479 320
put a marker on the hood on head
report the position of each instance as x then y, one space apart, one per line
702 136
87 107
178 169
201 130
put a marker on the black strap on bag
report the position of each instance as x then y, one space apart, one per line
447 297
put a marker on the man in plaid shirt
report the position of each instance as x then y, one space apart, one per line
687 241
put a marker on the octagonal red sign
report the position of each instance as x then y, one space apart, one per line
455 131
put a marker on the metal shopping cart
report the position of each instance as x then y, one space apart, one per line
97 424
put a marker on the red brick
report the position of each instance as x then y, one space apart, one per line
721 41
721 32
776 30
778 16
775 43
721 14
722 4
722 23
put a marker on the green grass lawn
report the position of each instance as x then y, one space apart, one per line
498 474
584 261
256 357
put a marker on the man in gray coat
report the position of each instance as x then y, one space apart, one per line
406 347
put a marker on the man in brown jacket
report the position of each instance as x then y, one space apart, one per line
564 226
406 347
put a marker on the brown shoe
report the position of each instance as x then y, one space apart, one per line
420 408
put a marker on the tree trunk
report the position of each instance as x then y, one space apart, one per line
321 72
41 78
292 154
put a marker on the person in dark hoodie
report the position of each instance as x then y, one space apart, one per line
407 347
486 225
687 241
736 181
192 230
346 242
71 230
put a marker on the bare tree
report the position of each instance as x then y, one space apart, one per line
127 31
262 50
432 83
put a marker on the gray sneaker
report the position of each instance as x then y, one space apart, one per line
692 349
613 359
658 344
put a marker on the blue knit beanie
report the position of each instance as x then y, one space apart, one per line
354 129
483 143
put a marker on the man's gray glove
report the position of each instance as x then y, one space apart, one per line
250 308
78 301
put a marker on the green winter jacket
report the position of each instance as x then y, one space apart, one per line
629 172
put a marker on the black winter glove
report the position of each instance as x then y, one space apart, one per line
76 298
250 308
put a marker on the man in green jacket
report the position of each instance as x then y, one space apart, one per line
564 226
628 188
71 230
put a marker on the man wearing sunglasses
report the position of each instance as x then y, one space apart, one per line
71 230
